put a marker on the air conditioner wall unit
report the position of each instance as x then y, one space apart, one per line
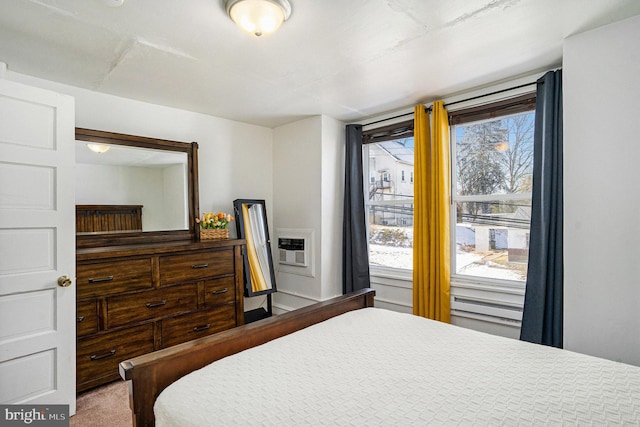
292 251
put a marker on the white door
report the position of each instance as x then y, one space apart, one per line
37 246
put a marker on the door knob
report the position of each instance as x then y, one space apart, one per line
64 281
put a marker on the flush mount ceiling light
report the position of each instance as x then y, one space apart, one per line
258 17
98 148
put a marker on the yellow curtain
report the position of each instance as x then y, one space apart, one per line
431 238
256 274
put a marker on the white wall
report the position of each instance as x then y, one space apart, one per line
176 190
235 159
332 190
601 198
297 173
308 177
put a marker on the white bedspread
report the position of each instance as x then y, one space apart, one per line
377 367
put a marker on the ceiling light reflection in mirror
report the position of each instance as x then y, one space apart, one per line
122 175
98 148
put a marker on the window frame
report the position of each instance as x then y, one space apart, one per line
484 113
491 110
392 132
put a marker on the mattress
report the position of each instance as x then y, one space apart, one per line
378 367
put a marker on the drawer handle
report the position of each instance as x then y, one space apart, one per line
79 319
156 304
200 265
202 328
220 291
101 279
102 356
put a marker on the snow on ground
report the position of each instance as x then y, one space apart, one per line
390 256
467 262
474 266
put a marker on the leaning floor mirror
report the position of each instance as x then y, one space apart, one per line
251 224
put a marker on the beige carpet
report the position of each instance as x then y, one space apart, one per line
106 406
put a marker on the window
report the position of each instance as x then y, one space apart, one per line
388 154
492 163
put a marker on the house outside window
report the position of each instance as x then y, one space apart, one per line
389 197
492 165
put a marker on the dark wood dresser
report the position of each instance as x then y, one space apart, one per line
135 299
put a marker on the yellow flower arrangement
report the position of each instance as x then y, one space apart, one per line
212 220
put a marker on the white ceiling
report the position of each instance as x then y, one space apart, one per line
121 155
347 59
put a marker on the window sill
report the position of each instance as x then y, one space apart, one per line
497 286
392 273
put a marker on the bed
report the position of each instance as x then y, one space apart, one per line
344 362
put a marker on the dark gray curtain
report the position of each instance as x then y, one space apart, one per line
355 257
542 317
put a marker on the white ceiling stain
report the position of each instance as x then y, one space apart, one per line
53 8
121 52
161 48
494 4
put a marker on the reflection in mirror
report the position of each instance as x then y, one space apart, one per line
117 175
251 224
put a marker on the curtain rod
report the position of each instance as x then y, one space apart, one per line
455 102
389 118
489 94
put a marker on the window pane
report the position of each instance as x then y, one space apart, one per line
492 239
493 184
495 156
390 203
391 235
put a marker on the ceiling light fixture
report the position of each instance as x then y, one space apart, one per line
258 17
98 148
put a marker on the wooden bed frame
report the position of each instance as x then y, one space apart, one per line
151 373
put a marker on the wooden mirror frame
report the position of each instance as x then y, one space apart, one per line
127 238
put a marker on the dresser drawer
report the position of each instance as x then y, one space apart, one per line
86 317
99 356
195 325
195 266
112 277
220 291
125 309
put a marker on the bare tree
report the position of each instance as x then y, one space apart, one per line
517 154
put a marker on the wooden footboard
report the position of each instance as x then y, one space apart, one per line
151 373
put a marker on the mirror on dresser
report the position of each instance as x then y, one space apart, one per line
134 189
144 279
